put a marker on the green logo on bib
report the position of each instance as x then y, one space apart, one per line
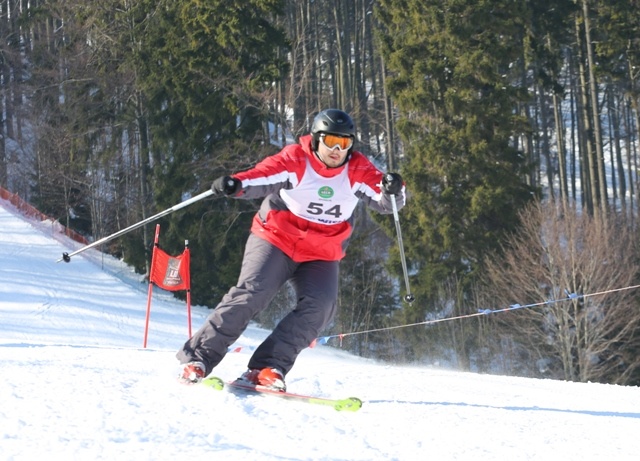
325 192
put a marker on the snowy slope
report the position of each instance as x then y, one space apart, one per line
77 385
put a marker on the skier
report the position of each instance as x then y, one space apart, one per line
299 234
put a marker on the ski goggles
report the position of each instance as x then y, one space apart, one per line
331 141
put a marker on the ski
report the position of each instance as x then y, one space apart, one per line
348 404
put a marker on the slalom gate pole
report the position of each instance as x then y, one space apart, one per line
408 297
150 292
66 257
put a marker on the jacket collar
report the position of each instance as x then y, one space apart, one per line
318 166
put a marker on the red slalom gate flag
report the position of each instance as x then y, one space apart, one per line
170 272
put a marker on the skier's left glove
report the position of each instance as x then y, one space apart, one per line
227 185
392 183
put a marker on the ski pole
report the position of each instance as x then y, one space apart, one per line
66 257
408 297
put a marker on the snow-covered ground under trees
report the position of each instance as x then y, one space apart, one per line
76 384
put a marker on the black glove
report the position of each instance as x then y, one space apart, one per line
226 185
392 183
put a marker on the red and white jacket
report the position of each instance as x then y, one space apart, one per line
308 208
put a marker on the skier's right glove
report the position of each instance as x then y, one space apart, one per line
227 185
392 183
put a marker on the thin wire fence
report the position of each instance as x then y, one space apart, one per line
481 312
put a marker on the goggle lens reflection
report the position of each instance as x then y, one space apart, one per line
332 141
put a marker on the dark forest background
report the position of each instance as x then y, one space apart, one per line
514 123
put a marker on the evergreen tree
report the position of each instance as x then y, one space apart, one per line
68 107
206 70
451 67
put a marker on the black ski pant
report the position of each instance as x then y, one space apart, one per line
265 268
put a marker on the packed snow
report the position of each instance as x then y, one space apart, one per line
78 385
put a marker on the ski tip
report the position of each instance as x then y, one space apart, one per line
349 404
214 382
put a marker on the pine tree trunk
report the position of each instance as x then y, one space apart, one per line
562 160
545 148
388 114
629 149
636 113
614 110
343 89
297 66
579 166
560 142
593 92
3 128
631 146
588 157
